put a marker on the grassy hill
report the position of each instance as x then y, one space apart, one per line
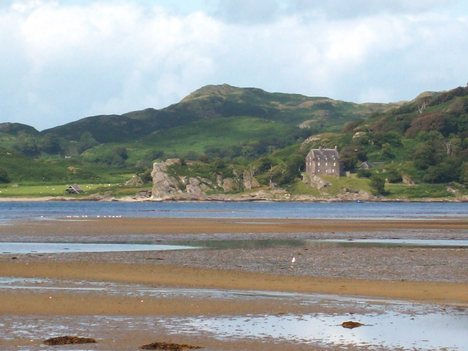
423 140
218 121
217 102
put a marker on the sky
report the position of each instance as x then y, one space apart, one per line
64 60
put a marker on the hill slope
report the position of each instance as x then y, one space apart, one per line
218 101
229 129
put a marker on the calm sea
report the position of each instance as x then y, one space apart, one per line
389 210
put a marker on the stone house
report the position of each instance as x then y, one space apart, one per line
323 162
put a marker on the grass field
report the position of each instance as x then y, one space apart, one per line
59 190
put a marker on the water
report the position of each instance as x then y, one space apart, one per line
52 248
387 324
396 325
391 329
350 210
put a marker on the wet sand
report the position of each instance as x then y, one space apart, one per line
171 276
426 275
115 226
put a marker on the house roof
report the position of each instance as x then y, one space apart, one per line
74 188
324 154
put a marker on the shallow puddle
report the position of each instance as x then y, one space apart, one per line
50 248
391 329
435 329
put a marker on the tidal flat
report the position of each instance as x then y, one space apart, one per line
249 284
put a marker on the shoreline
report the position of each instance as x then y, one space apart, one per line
240 198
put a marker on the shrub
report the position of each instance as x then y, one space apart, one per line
393 176
364 173
377 184
4 178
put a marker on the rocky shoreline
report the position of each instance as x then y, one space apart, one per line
261 196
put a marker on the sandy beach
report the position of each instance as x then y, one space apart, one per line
421 274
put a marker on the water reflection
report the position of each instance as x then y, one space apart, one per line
434 330
387 324
391 329
49 248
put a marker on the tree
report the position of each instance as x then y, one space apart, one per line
429 153
464 174
387 152
351 156
444 172
393 176
4 178
377 184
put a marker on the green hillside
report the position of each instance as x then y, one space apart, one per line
422 141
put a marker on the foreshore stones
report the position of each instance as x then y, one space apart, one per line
351 324
68 340
169 346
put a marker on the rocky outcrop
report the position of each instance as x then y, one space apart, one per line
406 179
229 185
170 186
165 186
134 181
249 181
196 186
315 181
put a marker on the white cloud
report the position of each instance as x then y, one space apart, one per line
62 61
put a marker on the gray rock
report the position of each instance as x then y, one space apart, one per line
164 185
229 185
249 181
134 181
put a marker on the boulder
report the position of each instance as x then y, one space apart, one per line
229 185
249 181
315 181
406 179
193 187
69 340
351 324
134 181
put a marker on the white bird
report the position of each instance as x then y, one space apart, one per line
293 260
